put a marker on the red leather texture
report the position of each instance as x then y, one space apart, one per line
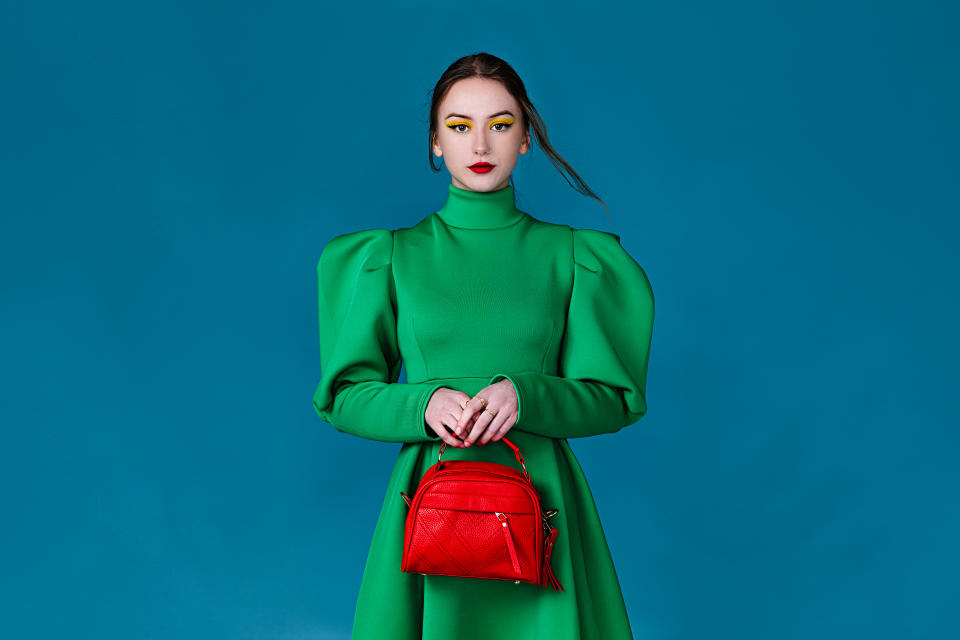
479 520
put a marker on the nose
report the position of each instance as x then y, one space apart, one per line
480 142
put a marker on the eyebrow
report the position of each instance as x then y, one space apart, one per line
460 115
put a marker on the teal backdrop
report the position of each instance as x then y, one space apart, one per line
786 174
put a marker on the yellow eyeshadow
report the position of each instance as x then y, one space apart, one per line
456 123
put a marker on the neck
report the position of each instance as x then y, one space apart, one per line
480 209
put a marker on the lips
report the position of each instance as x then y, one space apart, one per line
481 167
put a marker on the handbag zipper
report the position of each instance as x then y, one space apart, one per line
502 517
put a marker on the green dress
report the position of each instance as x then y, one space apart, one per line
473 293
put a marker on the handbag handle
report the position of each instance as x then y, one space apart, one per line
516 451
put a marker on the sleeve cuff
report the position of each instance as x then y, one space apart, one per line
422 410
517 388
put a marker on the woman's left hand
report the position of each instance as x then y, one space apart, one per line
494 418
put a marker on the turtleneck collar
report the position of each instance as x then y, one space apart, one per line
480 209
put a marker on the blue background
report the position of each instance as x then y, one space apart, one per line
786 173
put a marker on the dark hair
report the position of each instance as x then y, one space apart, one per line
485 65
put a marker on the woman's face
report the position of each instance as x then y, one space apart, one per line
479 121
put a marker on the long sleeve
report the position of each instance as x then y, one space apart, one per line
604 352
360 358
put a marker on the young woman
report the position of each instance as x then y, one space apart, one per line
507 324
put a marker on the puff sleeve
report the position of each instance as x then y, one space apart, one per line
358 392
604 351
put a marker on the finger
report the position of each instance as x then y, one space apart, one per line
494 427
445 435
478 428
473 407
457 411
505 427
449 421
460 400
454 413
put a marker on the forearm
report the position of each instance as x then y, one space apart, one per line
559 407
376 410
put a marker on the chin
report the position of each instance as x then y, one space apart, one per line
481 182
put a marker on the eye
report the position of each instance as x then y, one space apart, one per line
505 125
459 124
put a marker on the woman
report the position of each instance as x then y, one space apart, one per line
508 325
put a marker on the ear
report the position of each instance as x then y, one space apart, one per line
525 144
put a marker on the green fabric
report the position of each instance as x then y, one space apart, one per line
474 293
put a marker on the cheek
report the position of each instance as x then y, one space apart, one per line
516 142
452 144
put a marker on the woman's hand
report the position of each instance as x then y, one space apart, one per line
444 409
491 419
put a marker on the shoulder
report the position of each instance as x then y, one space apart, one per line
366 249
592 247
601 253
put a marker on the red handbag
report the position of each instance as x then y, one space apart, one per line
479 520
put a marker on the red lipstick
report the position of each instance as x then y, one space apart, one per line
481 167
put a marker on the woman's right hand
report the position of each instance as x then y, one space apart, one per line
444 410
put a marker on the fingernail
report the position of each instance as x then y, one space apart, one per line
459 430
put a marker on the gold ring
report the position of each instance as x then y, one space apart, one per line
482 401
492 413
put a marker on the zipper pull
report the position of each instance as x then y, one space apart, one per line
502 517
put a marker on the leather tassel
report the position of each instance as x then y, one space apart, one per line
502 517
551 578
